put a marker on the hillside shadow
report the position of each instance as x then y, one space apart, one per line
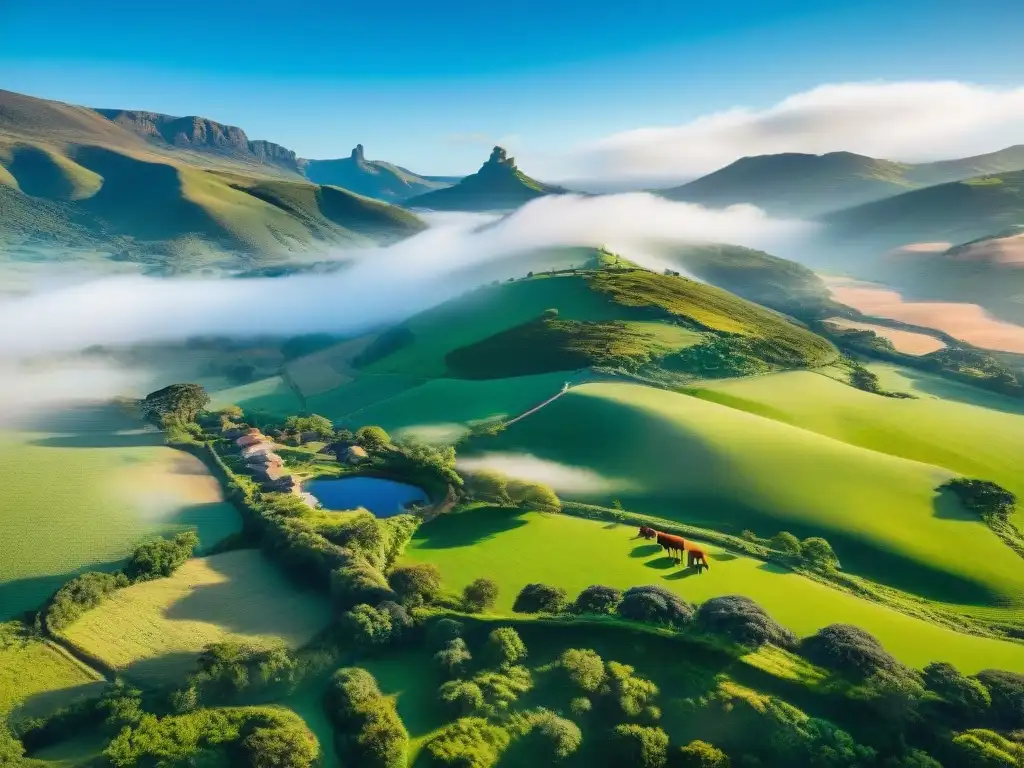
20 596
212 519
134 439
645 550
160 670
464 529
80 419
773 568
47 702
947 506
961 392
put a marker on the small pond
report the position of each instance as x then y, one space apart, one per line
382 497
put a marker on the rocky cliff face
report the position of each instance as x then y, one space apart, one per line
201 134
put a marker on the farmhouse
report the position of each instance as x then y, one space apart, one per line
265 458
268 473
250 438
254 450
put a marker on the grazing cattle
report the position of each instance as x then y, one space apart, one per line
646 532
695 556
673 545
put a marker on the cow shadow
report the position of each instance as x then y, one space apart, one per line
645 550
683 573
724 557
661 563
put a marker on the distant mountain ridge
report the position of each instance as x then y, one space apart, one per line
798 184
372 178
498 185
202 134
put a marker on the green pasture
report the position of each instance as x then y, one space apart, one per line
271 396
350 400
518 548
85 486
706 463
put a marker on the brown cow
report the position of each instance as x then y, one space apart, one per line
673 545
695 556
647 532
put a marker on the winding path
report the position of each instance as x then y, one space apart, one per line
565 388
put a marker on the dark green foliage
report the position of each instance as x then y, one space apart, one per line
388 342
862 378
502 688
161 557
470 742
1007 693
629 693
307 344
360 531
786 543
849 650
432 466
584 668
461 697
359 582
818 553
416 584
984 498
504 647
370 627
742 620
533 495
489 485
597 599
560 737
181 402
441 632
580 705
281 747
964 698
320 425
718 357
980 748
700 754
372 438
639 746
480 594
228 671
655 605
366 723
11 750
118 706
540 598
79 595
453 658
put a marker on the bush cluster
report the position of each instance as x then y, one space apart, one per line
366 723
743 621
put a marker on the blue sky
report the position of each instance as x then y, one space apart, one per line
432 85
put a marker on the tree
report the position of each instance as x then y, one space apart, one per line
441 632
630 693
562 736
848 649
656 605
700 754
416 584
282 747
490 485
480 594
461 697
981 748
984 498
818 553
786 543
372 438
540 598
368 626
597 599
531 495
965 698
742 620
640 746
584 668
231 413
1006 690
504 647
453 658
161 557
181 402
320 425
470 742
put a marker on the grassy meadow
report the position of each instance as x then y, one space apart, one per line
154 630
702 462
518 548
86 486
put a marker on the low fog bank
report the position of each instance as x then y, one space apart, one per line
562 477
379 285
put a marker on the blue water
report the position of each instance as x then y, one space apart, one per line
382 497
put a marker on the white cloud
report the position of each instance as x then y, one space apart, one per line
562 477
26 390
905 121
380 285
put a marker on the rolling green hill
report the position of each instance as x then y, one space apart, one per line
372 178
71 177
498 185
796 184
955 212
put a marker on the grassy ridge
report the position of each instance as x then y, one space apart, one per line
682 458
515 548
154 630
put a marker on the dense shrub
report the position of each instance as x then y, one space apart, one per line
818 553
416 584
369 627
786 543
849 650
580 705
986 499
584 668
597 599
502 688
470 742
480 594
366 723
742 620
700 754
372 438
161 557
979 748
655 605
540 598
79 595
226 671
453 658
504 647
533 495
461 697
290 746
359 582
489 485
1006 690
561 737
630 693
640 746
962 697
441 632
181 402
